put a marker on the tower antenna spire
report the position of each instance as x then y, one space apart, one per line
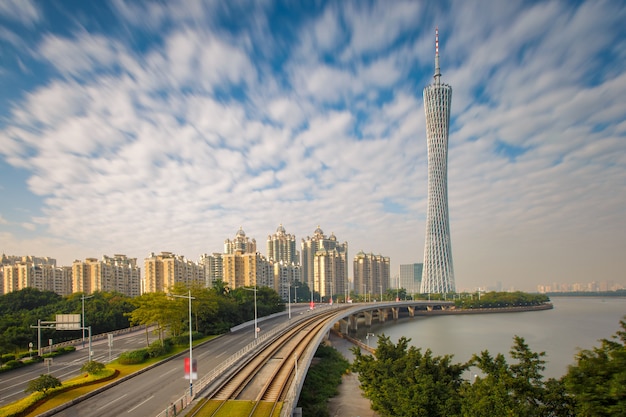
437 71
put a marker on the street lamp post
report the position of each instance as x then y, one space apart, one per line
288 298
83 298
189 297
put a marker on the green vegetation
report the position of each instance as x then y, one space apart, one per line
21 309
43 384
598 379
322 381
402 381
93 367
214 311
500 300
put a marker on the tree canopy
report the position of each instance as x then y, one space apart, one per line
402 381
43 383
214 311
597 380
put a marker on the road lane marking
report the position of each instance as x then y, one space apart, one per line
111 402
140 404
168 372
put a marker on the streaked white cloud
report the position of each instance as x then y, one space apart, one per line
23 11
174 145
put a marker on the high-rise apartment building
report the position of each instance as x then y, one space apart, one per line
371 274
281 246
243 266
411 277
285 260
247 270
213 267
240 243
19 272
162 271
286 277
438 276
324 264
111 274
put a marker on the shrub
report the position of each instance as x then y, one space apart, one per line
157 348
66 349
7 357
13 364
133 357
92 367
34 359
183 339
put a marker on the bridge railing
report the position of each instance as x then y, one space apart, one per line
185 399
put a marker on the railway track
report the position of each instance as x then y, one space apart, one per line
259 387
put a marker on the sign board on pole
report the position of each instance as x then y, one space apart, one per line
110 336
68 321
194 373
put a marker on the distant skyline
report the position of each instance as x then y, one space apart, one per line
135 127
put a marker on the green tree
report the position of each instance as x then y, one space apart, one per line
155 308
513 390
92 367
402 381
598 379
43 383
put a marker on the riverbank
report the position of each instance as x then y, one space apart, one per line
513 309
349 402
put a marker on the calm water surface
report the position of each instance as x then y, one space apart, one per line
575 322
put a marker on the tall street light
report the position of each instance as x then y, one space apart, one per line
255 312
189 297
83 330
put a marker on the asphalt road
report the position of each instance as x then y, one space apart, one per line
13 383
151 392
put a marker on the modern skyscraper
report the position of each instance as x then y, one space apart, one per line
438 274
411 277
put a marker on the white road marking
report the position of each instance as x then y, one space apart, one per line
168 372
111 402
140 404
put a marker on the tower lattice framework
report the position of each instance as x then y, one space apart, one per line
438 273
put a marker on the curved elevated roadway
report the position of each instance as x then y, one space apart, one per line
156 391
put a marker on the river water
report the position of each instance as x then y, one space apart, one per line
575 322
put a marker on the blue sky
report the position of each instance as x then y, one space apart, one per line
135 127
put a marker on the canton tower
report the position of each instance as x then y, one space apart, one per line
438 273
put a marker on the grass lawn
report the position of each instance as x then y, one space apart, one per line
236 408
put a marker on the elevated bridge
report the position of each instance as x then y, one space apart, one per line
292 366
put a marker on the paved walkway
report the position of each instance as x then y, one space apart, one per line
350 401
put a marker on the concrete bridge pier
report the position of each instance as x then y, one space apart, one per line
354 326
344 325
395 312
382 314
368 318
411 311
